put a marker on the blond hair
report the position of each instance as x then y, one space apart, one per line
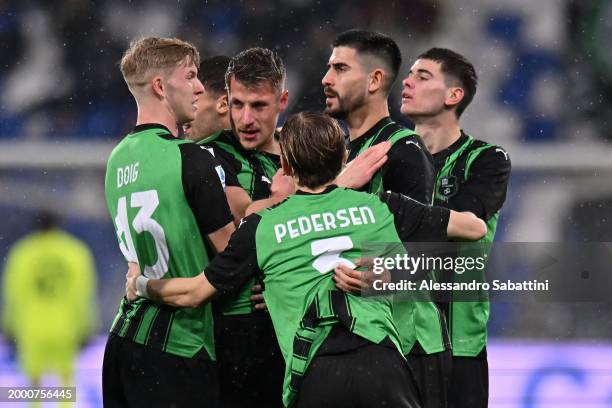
154 55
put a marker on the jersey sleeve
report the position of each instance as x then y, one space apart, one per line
417 222
203 185
409 170
484 192
233 267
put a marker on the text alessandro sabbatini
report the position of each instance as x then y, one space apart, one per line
459 265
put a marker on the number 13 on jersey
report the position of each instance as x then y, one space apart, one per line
147 202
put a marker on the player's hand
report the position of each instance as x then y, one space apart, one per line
130 281
257 297
356 282
351 280
282 185
361 170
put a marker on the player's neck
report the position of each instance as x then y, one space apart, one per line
221 124
438 133
156 113
225 122
364 118
271 146
315 190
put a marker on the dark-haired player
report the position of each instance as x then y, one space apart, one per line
361 70
213 108
471 175
294 246
249 360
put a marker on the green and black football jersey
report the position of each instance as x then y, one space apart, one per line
409 171
409 168
295 247
253 172
164 196
471 175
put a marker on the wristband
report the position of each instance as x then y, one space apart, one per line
141 286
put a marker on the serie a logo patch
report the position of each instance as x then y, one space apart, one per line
221 174
448 186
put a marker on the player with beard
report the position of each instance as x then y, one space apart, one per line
361 71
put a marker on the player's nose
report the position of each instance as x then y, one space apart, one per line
198 87
408 82
247 115
327 79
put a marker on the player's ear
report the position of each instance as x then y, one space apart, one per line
454 95
222 105
158 87
376 80
284 100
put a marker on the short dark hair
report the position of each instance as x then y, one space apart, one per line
457 67
46 220
312 144
254 66
212 73
375 44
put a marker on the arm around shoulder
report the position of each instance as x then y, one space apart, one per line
465 225
181 292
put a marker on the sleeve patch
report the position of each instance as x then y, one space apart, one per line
221 174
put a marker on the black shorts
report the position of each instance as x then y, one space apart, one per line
432 372
251 366
470 382
134 375
368 377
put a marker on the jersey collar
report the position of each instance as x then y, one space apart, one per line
149 126
374 129
328 189
443 154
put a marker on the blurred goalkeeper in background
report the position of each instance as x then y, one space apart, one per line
49 300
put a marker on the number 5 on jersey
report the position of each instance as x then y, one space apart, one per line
147 201
328 253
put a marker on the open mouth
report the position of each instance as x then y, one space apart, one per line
329 94
329 98
406 98
249 134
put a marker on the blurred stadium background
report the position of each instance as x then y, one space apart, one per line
545 94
